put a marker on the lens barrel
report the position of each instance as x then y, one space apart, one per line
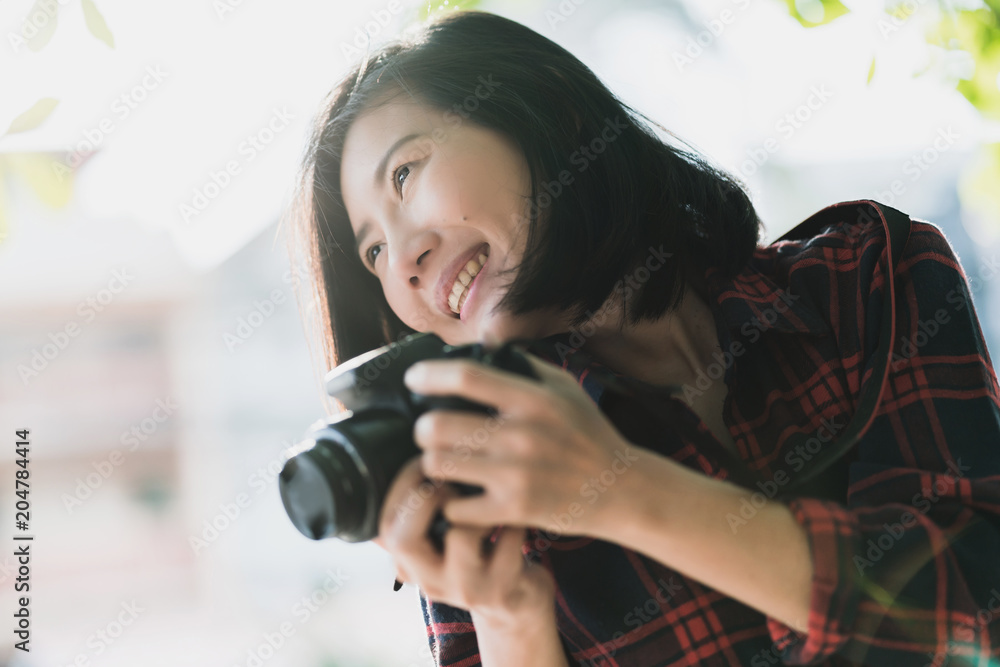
329 489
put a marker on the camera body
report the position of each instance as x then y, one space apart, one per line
334 483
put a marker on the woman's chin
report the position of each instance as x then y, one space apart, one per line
498 331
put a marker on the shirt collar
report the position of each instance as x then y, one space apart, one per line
749 301
752 300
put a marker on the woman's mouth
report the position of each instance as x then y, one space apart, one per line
464 281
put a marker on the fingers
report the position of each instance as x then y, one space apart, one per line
451 429
547 371
466 574
507 560
404 521
469 575
528 584
510 393
463 548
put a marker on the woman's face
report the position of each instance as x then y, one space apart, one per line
426 208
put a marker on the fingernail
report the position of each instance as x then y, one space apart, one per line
396 586
415 375
422 426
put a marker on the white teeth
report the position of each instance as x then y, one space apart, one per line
460 290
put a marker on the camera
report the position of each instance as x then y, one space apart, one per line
334 483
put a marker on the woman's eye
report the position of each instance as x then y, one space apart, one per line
396 174
370 257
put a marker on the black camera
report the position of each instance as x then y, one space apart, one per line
334 483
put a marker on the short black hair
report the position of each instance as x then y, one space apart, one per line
634 192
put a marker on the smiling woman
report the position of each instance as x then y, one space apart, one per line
451 141
479 182
435 225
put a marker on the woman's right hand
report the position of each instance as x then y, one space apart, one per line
500 588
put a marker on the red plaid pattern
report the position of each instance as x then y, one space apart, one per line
907 570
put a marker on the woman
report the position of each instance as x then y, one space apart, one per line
480 183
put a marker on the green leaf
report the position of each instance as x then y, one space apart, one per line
47 11
978 33
902 11
983 89
95 23
978 183
811 13
36 169
33 117
871 71
433 7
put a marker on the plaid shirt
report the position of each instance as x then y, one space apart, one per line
906 566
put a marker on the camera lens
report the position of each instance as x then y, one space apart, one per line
330 490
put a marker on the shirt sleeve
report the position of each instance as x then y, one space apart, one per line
450 633
908 573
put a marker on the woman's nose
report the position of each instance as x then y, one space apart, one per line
413 263
415 279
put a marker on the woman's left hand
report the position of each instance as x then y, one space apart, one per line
548 460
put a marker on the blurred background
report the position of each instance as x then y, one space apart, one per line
150 338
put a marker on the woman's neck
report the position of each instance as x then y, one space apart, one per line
670 350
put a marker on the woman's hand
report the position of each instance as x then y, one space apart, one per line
546 460
500 588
